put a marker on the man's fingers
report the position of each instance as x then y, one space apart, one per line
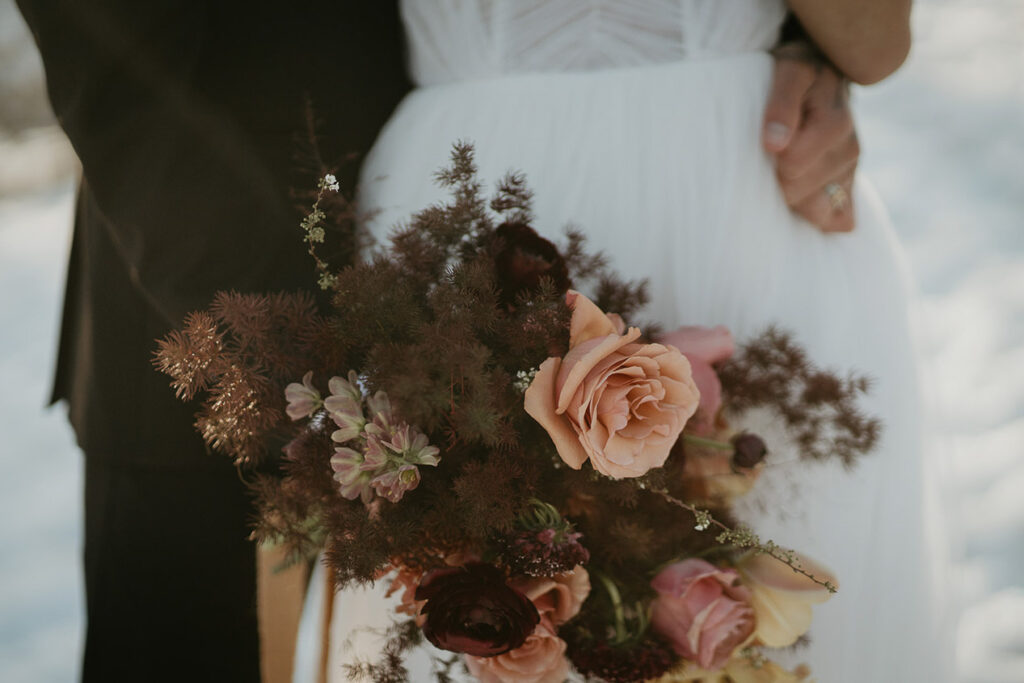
826 212
809 128
790 82
827 122
838 162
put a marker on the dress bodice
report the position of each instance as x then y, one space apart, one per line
459 40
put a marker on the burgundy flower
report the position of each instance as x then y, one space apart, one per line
471 609
523 259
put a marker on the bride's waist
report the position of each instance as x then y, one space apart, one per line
719 71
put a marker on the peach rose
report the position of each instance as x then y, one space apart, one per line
558 597
702 610
781 597
704 346
618 403
541 659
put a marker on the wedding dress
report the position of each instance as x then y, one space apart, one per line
639 121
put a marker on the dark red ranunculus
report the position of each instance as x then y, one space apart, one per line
471 609
523 258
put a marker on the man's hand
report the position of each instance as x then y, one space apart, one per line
808 128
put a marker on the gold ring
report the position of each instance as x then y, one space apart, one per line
837 196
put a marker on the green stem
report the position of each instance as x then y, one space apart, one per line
616 598
707 443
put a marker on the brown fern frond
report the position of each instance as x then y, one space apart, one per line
193 357
819 407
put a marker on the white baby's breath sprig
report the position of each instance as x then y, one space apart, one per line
312 226
743 537
523 380
702 519
330 182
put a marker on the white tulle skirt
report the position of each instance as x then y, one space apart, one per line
662 167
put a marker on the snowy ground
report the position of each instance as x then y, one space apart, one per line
944 142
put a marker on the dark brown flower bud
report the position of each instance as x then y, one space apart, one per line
471 609
523 258
748 450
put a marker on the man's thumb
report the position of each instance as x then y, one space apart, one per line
790 82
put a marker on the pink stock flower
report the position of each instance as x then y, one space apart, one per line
394 463
412 445
393 483
303 399
345 406
541 659
347 464
380 411
618 403
703 346
375 456
348 415
702 610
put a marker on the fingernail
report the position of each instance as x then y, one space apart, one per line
776 134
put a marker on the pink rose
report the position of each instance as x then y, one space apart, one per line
620 404
541 659
702 610
704 346
558 597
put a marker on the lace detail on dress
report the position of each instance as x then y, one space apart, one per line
457 40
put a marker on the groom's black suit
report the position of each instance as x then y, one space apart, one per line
184 115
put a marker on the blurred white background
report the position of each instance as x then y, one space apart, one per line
944 143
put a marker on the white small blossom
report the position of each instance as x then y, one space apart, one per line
331 183
703 518
523 380
326 281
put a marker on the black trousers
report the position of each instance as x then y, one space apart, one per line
170 576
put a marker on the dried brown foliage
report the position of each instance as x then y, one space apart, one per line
818 407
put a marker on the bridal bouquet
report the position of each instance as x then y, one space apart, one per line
544 487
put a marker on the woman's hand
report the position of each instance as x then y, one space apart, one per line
808 128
